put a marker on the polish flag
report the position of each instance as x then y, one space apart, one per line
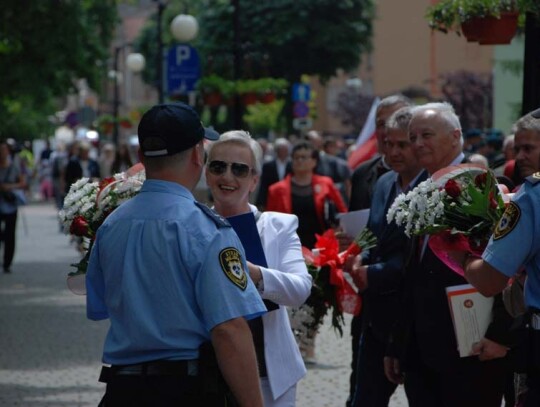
366 143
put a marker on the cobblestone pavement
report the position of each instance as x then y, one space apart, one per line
50 353
327 382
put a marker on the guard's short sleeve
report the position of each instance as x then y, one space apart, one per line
224 290
95 287
511 244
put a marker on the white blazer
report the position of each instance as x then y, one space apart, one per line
287 283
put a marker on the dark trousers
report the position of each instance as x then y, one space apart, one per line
471 384
372 387
150 391
8 223
356 333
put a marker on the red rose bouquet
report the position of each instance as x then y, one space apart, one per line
458 207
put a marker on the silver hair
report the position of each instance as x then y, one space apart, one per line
525 123
400 119
392 100
242 138
282 142
444 110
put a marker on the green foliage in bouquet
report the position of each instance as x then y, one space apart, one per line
322 299
468 203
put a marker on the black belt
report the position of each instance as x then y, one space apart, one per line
182 368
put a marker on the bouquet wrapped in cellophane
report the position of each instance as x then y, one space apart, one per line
458 207
88 203
330 290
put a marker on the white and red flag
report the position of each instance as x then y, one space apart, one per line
366 143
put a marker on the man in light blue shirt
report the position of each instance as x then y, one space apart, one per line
170 275
515 243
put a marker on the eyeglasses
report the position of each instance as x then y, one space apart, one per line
300 157
239 170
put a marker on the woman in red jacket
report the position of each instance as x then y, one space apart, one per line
304 193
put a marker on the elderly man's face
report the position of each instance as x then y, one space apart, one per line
527 150
435 143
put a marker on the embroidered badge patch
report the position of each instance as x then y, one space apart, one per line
231 264
508 221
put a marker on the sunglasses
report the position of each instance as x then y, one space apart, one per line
239 170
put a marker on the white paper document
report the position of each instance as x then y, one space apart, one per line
471 313
353 222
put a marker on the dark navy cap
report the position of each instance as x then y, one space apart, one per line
170 128
536 114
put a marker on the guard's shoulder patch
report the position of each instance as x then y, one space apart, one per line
231 264
508 221
219 220
533 179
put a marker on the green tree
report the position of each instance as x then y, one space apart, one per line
279 38
286 38
44 47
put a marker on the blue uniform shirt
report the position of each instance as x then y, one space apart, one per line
166 272
516 241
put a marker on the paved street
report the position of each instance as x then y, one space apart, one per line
50 353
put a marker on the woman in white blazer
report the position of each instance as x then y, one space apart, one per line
232 173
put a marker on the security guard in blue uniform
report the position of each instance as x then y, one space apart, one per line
171 276
516 243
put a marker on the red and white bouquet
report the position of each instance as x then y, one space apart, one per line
330 290
458 207
87 205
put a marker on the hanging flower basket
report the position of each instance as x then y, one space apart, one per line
267 97
498 31
212 99
125 122
249 98
472 29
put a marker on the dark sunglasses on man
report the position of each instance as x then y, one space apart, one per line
239 170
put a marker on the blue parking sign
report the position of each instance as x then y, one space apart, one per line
183 69
301 92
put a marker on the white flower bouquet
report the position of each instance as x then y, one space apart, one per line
88 204
458 207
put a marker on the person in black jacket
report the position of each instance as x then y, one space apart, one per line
80 165
380 273
422 348
362 185
275 170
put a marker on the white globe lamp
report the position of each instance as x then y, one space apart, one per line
184 28
135 62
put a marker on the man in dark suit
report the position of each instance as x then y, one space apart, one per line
275 170
379 272
366 175
423 342
362 184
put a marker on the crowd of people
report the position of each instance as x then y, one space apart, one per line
199 317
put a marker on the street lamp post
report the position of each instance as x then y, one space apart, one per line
135 63
184 28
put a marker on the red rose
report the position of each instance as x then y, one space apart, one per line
480 180
106 181
79 226
452 188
